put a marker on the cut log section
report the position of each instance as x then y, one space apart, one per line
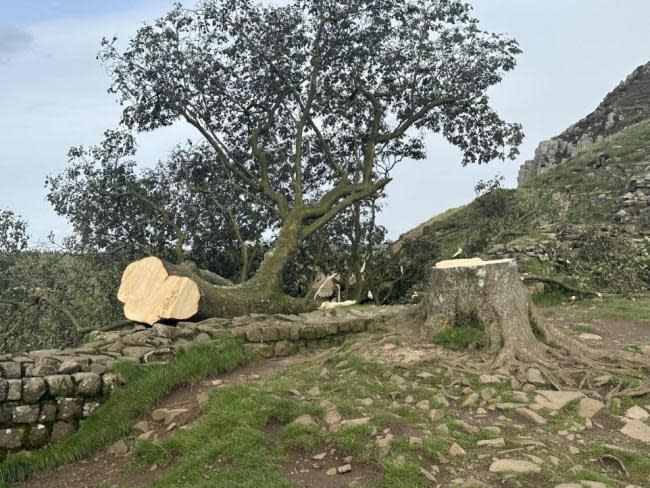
152 290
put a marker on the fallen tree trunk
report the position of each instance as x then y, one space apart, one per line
153 290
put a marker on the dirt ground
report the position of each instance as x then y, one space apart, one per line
305 471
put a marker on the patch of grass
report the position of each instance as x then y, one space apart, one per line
550 298
146 453
461 337
114 418
580 328
226 446
635 309
353 441
398 473
637 463
303 437
434 446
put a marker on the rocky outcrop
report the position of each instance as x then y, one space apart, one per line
627 104
44 395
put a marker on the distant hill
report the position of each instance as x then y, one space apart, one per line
583 215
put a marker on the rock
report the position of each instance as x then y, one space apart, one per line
588 407
425 375
38 435
141 427
534 375
136 352
428 475
590 337
436 414
637 413
556 400
33 389
355 422
68 408
499 442
530 415
574 450
11 438
602 380
87 384
443 429
422 405
470 400
486 379
331 472
202 337
11 370
488 393
25 414
319 456
306 420
455 450
513 466
314 392
637 430
416 442
119 448
59 385
62 430
167 415
332 417
346 468
69 367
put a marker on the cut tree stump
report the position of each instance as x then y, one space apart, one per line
491 294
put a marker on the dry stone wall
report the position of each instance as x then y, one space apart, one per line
45 395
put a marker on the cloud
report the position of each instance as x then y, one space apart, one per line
13 40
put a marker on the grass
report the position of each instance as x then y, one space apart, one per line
113 419
635 309
461 337
304 437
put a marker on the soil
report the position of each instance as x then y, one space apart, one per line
399 345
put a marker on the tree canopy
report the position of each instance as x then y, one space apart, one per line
309 105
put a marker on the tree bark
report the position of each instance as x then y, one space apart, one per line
491 294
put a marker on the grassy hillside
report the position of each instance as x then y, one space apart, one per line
557 208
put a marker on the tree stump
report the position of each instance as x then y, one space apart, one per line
490 293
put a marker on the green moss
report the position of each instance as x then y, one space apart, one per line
461 337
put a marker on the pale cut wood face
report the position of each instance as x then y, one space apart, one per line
150 293
468 263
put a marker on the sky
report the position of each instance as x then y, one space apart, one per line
53 93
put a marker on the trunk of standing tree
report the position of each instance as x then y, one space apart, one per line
152 290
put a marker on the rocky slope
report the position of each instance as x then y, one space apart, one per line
627 104
583 210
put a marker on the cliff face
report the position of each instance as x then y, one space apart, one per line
627 104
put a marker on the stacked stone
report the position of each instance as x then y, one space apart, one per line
44 395
44 401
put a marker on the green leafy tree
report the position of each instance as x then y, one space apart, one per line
293 102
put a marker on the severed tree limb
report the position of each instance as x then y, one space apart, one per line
564 286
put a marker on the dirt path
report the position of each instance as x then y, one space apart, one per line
110 468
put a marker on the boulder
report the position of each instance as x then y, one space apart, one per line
59 385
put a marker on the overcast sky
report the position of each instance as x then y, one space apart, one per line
53 92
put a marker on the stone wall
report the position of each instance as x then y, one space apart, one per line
627 104
45 395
